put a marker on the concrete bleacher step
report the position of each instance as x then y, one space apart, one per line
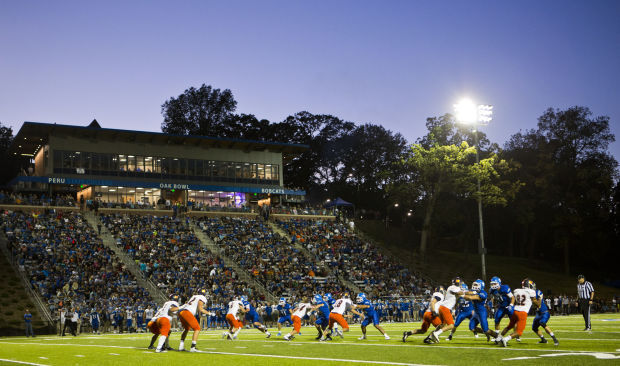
206 241
343 281
108 240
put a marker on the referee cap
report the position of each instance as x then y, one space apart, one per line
581 276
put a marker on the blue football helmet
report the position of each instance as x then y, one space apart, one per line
244 298
496 282
282 301
478 285
361 297
464 287
327 297
317 299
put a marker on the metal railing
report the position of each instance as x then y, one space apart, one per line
108 239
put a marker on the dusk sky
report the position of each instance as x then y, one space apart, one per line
392 63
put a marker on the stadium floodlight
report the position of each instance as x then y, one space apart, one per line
466 111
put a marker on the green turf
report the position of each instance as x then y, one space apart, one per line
601 346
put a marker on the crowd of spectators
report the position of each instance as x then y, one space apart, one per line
167 251
67 263
31 199
361 262
302 209
280 267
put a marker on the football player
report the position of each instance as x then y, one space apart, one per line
465 310
299 313
371 315
522 302
322 318
429 316
341 306
252 316
503 298
160 324
188 314
478 297
284 309
234 307
542 318
444 310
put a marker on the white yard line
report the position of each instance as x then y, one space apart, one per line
22 362
313 358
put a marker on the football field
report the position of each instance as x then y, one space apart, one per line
601 346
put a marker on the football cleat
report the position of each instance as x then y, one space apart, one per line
504 342
433 337
361 338
543 341
405 336
386 336
427 340
193 349
449 338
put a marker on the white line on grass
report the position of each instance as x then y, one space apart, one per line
313 358
22 362
349 343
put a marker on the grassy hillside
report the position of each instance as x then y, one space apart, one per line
443 265
15 301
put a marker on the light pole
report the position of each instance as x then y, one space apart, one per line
475 115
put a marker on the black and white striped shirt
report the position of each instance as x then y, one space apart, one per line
585 290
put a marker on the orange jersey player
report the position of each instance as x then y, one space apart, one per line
234 308
429 316
188 314
522 302
160 324
341 306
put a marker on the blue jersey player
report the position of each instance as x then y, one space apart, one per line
322 317
140 319
503 298
252 316
465 310
371 315
284 309
478 297
542 318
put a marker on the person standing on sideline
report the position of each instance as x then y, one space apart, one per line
28 320
585 293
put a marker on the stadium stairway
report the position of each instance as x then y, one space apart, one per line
343 281
46 317
210 245
108 240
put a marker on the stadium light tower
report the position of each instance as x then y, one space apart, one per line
467 112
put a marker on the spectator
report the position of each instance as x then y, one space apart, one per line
28 321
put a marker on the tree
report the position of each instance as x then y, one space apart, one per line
569 177
203 111
10 165
431 168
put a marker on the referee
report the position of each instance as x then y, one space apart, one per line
585 291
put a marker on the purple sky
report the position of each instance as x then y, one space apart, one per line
391 63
